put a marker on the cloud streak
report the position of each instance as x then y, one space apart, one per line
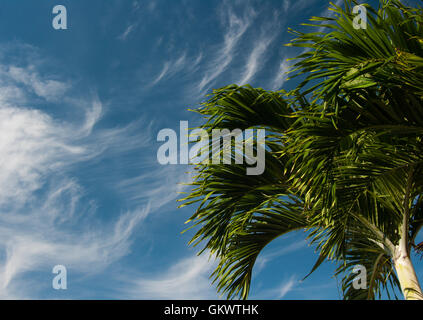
45 216
236 26
182 64
256 59
127 31
188 279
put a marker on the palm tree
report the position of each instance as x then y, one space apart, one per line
344 157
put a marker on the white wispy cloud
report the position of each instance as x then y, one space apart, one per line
45 217
162 73
256 59
286 5
172 67
33 229
49 89
282 74
165 185
236 26
36 241
187 279
265 258
135 5
279 291
285 288
127 31
260 52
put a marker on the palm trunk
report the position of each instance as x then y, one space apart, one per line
408 279
405 270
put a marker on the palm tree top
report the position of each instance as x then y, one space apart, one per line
344 156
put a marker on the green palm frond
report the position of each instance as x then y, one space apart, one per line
238 213
388 54
268 223
380 274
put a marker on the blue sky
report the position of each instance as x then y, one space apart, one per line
80 110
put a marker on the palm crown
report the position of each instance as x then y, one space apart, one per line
344 157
